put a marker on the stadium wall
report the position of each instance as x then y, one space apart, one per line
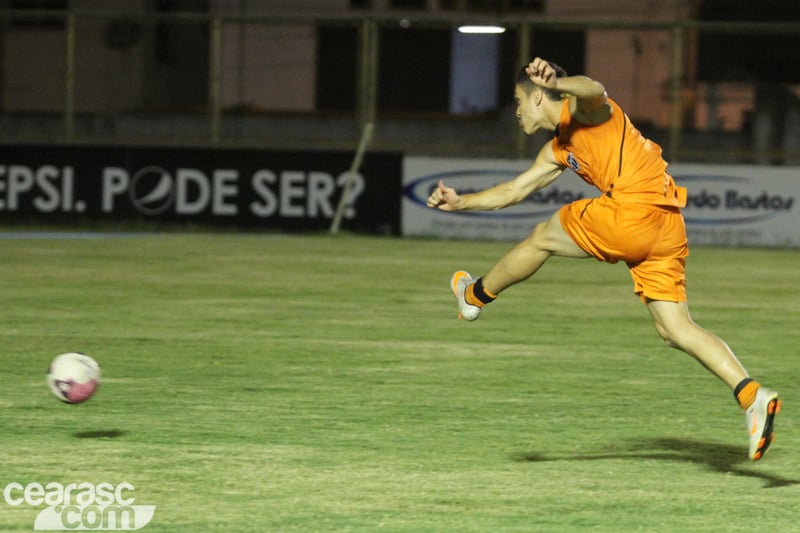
728 205
80 186
239 189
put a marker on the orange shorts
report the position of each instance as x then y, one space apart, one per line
651 240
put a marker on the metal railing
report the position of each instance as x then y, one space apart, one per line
492 133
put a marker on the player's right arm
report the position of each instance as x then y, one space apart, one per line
543 172
588 101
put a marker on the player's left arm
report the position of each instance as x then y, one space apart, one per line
543 171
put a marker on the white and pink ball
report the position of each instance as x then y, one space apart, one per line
73 377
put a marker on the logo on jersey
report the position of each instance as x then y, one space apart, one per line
573 163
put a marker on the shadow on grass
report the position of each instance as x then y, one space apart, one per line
710 455
103 434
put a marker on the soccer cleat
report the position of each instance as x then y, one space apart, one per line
759 418
459 283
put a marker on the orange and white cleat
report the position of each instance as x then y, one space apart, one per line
760 418
459 283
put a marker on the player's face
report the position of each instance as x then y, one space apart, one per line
526 112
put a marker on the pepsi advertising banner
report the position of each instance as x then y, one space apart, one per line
728 205
236 188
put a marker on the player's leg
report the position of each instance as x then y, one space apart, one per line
518 264
676 327
526 258
674 324
660 281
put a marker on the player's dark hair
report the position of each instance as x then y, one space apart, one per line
524 81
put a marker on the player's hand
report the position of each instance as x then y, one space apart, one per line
443 197
541 73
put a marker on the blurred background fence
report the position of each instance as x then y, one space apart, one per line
710 80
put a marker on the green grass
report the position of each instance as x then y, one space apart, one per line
310 383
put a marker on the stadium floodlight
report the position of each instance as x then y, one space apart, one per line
481 29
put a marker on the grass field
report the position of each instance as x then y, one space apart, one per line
310 383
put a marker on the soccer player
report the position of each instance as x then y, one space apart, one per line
637 219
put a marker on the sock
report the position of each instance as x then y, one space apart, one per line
745 392
478 296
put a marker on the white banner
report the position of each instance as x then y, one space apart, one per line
741 205
731 205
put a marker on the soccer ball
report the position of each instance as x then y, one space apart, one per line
73 377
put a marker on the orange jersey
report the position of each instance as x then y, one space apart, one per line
617 159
